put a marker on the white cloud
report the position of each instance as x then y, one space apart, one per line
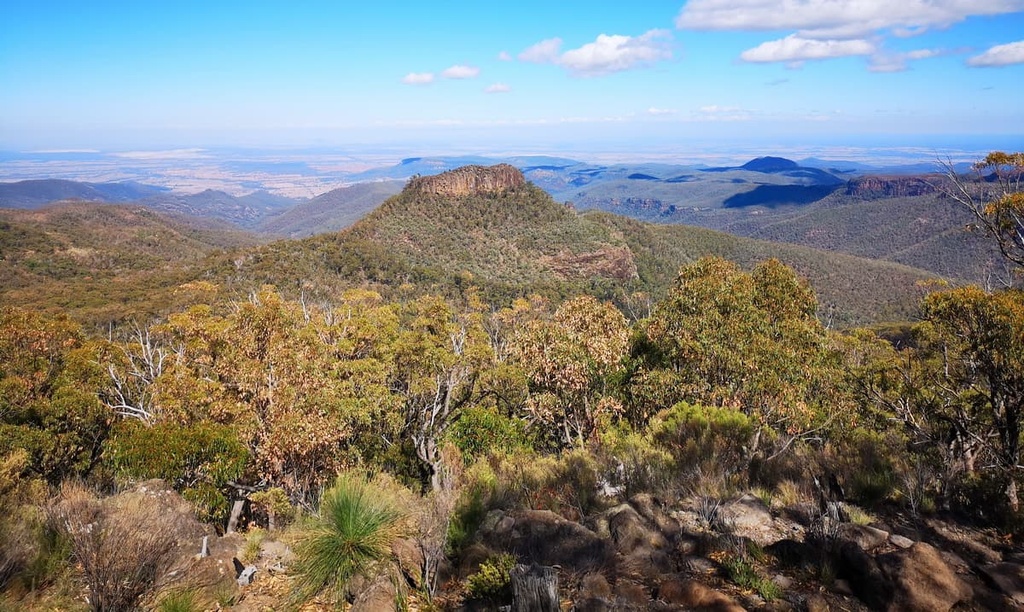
418 78
660 111
794 49
897 62
460 71
836 18
1000 55
544 52
504 56
607 54
497 88
715 112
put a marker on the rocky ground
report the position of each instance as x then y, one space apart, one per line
646 554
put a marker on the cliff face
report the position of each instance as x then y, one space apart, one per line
891 186
469 180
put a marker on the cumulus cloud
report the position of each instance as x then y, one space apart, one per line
616 53
504 56
1000 55
607 54
460 71
418 78
660 111
836 18
794 49
497 88
544 52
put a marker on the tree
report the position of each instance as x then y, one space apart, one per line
994 196
975 341
570 361
439 355
747 341
49 379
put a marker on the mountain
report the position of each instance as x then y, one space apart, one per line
103 262
243 211
36 193
331 211
489 227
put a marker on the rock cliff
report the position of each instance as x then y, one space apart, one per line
892 186
469 180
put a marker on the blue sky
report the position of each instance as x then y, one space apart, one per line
468 75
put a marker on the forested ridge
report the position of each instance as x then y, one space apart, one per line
417 408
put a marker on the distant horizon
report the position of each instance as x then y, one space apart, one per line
470 76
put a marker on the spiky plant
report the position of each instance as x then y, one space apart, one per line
351 534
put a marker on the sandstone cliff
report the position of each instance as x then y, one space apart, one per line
469 180
892 186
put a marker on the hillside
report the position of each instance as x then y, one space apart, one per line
36 193
246 211
514 239
102 262
331 211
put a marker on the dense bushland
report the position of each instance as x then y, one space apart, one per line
461 405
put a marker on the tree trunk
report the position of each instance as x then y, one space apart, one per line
1011 494
534 589
236 514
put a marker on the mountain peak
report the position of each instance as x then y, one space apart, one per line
469 180
770 164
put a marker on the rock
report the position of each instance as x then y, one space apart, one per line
921 581
691 595
745 513
647 564
868 538
629 531
889 186
379 595
548 539
900 541
652 509
1008 578
863 574
816 603
409 555
781 581
469 180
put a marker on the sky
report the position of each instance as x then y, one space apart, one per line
472 75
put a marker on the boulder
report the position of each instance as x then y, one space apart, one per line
920 580
868 538
1008 578
548 539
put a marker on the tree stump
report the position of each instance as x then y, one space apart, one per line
534 588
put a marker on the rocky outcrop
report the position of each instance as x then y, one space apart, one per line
892 186
469 180
607 262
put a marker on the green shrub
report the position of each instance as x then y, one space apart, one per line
185 600
492 582
197 460
742 573
705 440
351 534
482 430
